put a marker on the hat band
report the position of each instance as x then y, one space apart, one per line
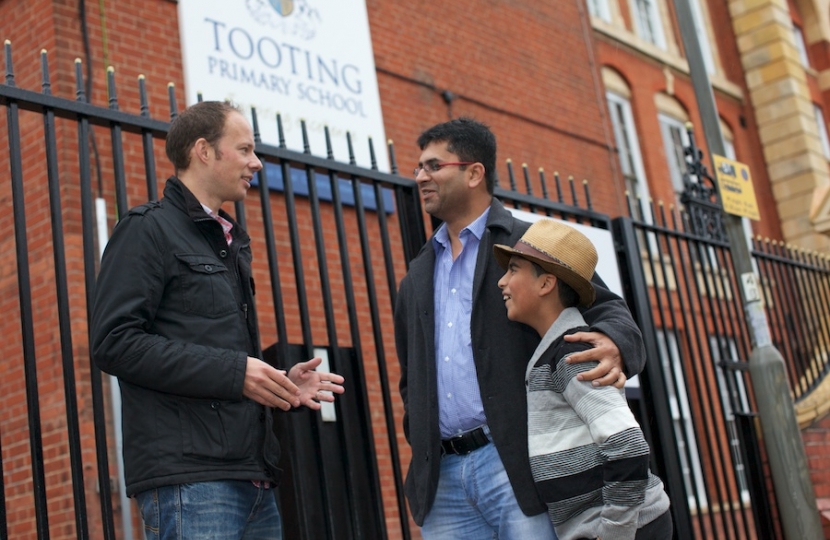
527 249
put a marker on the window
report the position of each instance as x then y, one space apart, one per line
631 162
600 8
821 125
647 22
732 390
682 419
675 139
800 46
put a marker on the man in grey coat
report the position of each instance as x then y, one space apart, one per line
462 360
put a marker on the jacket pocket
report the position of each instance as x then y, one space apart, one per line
205 285
217 430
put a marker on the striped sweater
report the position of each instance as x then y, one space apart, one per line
588 456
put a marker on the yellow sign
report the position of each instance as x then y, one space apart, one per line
735 186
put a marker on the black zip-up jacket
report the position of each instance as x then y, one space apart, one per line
174 320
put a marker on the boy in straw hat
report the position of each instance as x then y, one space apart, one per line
588 456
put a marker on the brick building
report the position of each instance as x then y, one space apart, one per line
598 90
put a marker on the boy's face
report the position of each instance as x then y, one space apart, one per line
520 288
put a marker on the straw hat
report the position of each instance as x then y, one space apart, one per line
559 249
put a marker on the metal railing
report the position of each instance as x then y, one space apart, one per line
331 261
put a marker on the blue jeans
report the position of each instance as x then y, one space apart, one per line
222 510
475 500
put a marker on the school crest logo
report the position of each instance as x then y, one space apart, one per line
291 17
283 7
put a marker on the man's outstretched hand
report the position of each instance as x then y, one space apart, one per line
610 368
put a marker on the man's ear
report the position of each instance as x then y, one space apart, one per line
475 174
202 150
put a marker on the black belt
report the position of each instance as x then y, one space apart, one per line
465 443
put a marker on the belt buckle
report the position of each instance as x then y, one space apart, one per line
455 450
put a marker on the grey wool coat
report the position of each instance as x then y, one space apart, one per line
501 350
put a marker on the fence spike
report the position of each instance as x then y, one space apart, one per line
628 202
662 214
199 97
306 143
80 95
9 68
544 182
674 216
144 106
350 147
171 98
587 194
558 184
526 174
574 198
372 155
46 83
329 150
510 175
392 161
280 131
255 125
113 98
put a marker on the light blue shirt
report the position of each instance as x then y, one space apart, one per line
459 397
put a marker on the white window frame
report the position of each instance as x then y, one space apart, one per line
682 419
628 146
649 10
675 158
801 46
821 125
600 9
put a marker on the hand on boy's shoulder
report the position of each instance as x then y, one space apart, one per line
610 368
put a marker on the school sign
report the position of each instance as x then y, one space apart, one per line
307 60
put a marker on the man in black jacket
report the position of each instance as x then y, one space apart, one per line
463 362
174 319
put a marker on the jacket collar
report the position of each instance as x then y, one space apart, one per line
499 217
182 198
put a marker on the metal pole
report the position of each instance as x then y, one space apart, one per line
785 448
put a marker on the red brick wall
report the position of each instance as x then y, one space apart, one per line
816 443
524 68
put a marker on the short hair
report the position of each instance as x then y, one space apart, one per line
568 296
202 120
470 140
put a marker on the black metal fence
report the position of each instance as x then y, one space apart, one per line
796 290
697 400
332 240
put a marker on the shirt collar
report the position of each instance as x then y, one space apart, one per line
476 228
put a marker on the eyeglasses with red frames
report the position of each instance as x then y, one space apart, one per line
435 166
